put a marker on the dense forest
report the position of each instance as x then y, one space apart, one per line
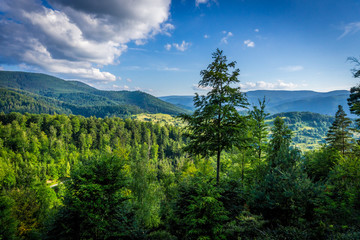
71 177
40 93
224 175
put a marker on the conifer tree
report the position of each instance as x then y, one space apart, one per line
339 135
260 132
280 143
354 99
216 124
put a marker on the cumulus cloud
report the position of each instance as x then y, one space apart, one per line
261 85
350 29
168 46
183 46
249 43
256 30
77 37
226 37
180 47
292 68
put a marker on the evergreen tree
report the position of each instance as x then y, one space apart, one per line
95 204
339 135
259 130
216 124
279 143
354 99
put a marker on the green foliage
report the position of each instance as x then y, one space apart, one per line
40 93
309 129
246 226
354 98
319 163
216 125
341 208
51 148
259 128
285 196
279 144
339 136
71 177
96 205
8 222
198 211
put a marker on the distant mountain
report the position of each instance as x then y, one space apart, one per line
185 102
41 93
285 101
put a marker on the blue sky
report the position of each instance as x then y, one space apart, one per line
160 46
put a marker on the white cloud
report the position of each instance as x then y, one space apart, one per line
168 46
350 28
200 88
170 69
1 68
181 47
148 90
140 42
256 30
292 68
118 87
78 37
198 2
166 28
207 2
261 85
129 80
249 43
227 35
206 36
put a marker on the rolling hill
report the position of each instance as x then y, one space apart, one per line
285 101
41 93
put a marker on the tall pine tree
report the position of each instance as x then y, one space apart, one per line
216 124
259 128
339 136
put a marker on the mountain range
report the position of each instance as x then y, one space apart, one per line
285 101
41 93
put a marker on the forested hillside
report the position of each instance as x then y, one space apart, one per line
135 177
218 175
40 93
308 129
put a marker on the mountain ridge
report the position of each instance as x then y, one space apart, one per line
285 101
75 97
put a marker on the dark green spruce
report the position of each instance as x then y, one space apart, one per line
216 124
339 135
